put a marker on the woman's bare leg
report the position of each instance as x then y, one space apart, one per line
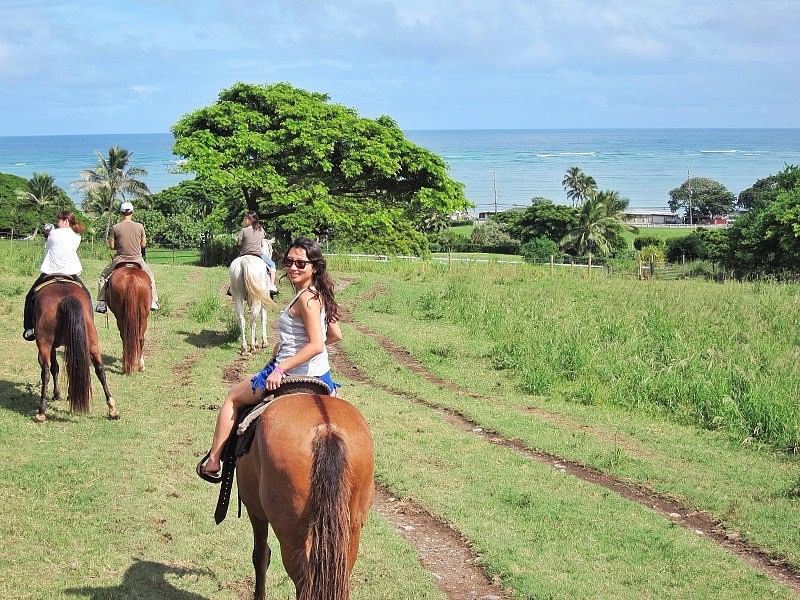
241 394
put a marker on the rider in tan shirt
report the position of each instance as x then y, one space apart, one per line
128 239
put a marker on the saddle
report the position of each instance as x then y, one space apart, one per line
129 265
244 432
56 278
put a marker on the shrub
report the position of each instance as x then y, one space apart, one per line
220 250
653 254
539 249
647 240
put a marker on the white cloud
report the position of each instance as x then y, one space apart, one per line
143 90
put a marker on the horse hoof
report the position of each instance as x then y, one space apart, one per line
113 415
39 417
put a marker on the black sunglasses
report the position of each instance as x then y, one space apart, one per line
299 263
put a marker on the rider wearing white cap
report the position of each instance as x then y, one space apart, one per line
128 239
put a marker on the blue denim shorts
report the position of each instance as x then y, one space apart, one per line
259 380
269 261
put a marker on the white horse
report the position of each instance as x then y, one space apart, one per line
250 284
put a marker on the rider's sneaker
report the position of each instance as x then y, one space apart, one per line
273 292
101 307
154 305
29 335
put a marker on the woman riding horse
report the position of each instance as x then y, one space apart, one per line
252 241
309 473
304 327
60 257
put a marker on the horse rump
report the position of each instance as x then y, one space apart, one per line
71 333
327 575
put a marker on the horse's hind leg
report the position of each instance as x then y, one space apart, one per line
54 371
100 371
261 554
44 364
263 313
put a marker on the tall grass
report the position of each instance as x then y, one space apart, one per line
720 356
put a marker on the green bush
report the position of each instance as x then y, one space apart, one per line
220 250
539 249
648 240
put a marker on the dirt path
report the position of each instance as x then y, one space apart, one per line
441 549
699 523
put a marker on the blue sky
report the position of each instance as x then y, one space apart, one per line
87 66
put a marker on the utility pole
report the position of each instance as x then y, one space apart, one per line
689 181
494 188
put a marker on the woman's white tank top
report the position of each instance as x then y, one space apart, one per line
292 336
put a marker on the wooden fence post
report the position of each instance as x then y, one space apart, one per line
589 266
552 260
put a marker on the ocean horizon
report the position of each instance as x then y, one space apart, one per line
519 164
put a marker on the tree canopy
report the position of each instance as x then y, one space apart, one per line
314 167
708 198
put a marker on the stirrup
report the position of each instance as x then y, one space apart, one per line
207 476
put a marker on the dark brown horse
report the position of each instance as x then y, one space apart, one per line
129 298
309 474
63 317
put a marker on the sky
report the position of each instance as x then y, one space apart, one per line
87 66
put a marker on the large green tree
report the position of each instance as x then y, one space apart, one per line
310 166
765 190
708 198
600 227
766 239
544 219
112 180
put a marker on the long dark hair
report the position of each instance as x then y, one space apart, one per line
319 277
69 216
253 217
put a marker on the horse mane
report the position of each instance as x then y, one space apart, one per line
327 575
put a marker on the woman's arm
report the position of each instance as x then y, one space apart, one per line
334 333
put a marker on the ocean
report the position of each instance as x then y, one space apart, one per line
641 164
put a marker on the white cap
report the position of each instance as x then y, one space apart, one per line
126 207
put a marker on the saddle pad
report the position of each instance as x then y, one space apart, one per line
294 384
56 279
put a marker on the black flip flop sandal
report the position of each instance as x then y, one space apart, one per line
209 477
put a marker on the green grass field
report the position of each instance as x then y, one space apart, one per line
605 372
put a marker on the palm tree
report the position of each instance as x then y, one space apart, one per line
42 193
578 185
110 180
601 220
572 184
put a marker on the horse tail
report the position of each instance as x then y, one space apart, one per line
327 575
71 332
133 311
255 281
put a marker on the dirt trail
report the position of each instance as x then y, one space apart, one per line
442 550
700 523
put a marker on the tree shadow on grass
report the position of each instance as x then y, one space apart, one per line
207 338
23 398
146 579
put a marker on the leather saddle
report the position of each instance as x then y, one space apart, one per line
244 432
56 278
129 265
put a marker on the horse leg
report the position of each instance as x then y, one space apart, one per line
239 305
54 370
261 554
253 325
141 353
100 371
44 363
263 312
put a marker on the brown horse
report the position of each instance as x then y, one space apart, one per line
129 298
63 316
309 474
